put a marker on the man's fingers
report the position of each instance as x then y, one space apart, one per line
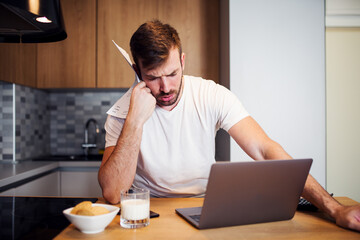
142 86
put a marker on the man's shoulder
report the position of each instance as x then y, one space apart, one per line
198 81
199 84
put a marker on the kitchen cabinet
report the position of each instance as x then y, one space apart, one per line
88 58
64 183
71 63
9 192
80 184
18 63
50 178
197 22
48 185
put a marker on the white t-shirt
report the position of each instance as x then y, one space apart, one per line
178 146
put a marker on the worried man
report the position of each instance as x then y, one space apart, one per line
167 141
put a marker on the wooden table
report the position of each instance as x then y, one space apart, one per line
304 225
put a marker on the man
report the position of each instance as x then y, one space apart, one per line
166 143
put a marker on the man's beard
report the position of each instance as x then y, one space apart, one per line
173 100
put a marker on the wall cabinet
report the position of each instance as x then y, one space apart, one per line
88 58
18 63
197 22
71 63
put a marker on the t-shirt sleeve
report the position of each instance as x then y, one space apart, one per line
228 107
113 127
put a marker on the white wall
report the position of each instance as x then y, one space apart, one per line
277 69
343 111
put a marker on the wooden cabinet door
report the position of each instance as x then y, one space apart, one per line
71 63
197 22
18 63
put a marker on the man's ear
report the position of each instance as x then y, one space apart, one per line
137 70
183 61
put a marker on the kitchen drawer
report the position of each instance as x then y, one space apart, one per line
47 185
9 192
80 184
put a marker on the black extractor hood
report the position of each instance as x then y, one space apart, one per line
31 21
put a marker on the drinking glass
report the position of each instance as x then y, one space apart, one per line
135 208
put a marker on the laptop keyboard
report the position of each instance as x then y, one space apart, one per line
196 218
305 205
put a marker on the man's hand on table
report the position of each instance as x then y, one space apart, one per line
348 217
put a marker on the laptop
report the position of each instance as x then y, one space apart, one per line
241 193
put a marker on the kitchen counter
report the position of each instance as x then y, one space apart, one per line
39 218
12 173
304 225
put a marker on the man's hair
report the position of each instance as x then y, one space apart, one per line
152 42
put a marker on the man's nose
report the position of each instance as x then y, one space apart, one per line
164 85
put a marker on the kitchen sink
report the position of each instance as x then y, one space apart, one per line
92 157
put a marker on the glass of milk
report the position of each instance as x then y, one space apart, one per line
135 208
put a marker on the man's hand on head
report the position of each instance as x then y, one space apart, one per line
142 104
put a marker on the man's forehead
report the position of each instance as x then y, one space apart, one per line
171 64
164 69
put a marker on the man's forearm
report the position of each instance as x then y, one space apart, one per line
253 140
318 196
118 171
313 191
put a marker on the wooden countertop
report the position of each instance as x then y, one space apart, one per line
304 225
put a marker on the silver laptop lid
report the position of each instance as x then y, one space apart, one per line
253 192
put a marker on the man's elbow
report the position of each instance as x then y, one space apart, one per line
110 196
108 192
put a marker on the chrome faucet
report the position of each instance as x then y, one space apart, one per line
88 145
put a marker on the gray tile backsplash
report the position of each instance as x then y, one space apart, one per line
32 123
69 113
6 122
51 122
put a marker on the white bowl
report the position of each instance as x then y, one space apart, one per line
92 224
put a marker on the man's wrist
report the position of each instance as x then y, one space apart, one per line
133 123
332 207
335 210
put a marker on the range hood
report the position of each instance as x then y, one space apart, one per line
31 21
